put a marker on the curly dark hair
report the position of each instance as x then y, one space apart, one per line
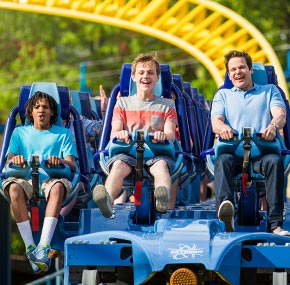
32 102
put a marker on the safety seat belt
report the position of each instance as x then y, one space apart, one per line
139 167
246 173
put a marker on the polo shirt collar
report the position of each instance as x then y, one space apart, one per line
238 89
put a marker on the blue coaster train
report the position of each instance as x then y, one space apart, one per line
187 245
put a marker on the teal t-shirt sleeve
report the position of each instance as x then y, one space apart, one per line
69 146
14 143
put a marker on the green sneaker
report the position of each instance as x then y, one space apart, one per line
29 255
162 196
102 199
40 257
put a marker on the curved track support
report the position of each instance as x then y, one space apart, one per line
204 29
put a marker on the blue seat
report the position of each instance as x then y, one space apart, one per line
127 87
61 95
96 106
189 192
261 75
193 117
83 104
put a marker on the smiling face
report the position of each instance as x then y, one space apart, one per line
145 77
239 73
42 114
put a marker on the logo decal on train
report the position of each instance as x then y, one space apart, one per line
185 251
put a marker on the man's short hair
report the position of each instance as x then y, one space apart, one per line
236 53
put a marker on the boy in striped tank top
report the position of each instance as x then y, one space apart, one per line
141 111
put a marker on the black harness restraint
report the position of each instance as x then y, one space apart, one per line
35 197
246 174
139 167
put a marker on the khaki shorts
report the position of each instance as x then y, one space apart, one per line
26 184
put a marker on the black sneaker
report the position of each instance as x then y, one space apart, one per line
226 214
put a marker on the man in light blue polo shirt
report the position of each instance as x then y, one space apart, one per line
248 105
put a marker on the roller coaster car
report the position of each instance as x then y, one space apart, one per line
187 247
38 171
247 143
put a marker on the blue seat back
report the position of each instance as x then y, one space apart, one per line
25 93
81 101
182 113
193 117
63 92
51 89
266 75
96 106
162 87
126 88
23 97
61 96
261 75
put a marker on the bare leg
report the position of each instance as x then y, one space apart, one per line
55 199
162 184
114 181
263 203
203 189
104 196
18 203
66 209
121 199
161 175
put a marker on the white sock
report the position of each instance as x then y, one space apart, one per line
48 228
25 232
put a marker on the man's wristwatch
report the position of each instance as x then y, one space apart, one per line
275 125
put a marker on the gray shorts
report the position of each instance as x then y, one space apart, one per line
131 160
46 186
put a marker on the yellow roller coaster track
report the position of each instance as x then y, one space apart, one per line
204 29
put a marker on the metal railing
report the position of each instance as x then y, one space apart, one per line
56 276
